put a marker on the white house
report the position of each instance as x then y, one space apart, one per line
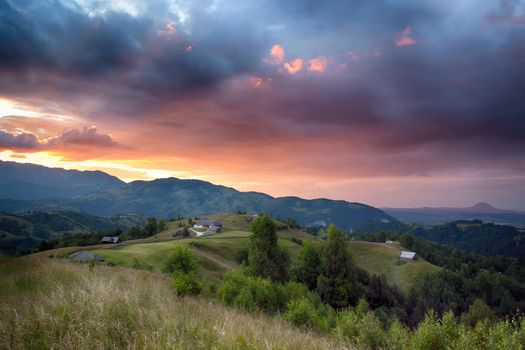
207 224
406 255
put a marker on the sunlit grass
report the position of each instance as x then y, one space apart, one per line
54 303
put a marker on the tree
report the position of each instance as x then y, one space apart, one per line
151 227
336 285
161 225
478 311
135 232
265 258
308 266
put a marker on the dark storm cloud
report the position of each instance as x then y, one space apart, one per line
23 141
88 136
49 43
455 90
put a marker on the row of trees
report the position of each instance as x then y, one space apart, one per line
325 268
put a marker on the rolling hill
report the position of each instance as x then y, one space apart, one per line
30 181
220 253
24 231
100 194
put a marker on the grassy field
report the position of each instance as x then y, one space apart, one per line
57 304
383 259
217 253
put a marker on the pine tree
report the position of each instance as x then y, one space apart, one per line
336 285
265 258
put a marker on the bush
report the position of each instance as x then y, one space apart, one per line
242 257
254 293
304 313
185 284
182 260
398 336
478 311
433 334
360 327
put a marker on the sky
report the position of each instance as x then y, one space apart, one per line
402 103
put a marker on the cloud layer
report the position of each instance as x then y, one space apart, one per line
322 91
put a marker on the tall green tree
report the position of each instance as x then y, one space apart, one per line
308 266
161 225
151 226
265 258
337 284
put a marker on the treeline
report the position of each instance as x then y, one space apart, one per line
477 237
324 291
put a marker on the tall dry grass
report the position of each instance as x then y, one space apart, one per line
56 304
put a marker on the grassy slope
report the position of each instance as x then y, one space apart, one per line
217 253
54 303
383 259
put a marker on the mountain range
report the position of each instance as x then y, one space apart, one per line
434 216
33 187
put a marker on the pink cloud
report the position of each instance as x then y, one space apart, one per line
294 66
277 54
405 38
169 30
317 65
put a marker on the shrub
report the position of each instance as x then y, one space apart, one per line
182 260
304 313
245 300
433 334
478 311
185 284
397 337
242 257
255 293
360 327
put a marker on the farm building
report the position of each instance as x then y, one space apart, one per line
110 240
213 229
406 255
207 224
390 242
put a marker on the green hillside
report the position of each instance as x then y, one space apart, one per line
24 231
100 194
219 253
383 259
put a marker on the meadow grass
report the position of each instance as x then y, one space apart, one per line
383 259
217 253
58 304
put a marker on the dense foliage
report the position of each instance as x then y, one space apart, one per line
477 237
466 279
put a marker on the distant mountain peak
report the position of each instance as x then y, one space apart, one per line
482 207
